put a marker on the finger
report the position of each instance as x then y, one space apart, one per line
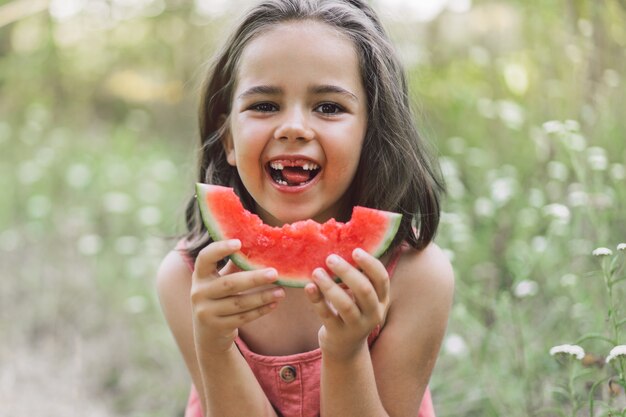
206 262
360 286
336 296
247 302
320 305
375 271
238 282
313 293
241 318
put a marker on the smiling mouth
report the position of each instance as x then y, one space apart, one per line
293 173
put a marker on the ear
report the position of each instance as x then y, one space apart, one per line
227 141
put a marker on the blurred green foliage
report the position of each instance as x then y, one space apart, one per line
524 101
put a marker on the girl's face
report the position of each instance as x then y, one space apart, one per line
298 119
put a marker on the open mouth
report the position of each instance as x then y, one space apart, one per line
293 173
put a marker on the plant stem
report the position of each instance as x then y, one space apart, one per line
607 273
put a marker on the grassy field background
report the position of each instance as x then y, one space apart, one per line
524 101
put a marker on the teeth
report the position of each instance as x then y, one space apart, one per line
307 166
282 182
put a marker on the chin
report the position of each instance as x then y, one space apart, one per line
286 215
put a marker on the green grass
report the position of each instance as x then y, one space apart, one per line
97 156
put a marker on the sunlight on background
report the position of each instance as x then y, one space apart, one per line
97 158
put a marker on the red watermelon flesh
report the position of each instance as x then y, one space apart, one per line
294 250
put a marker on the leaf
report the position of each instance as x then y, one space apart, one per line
595 336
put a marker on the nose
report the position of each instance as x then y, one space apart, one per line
294 126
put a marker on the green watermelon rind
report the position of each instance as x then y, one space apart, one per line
243 262
216 233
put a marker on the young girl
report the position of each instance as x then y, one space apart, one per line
305 113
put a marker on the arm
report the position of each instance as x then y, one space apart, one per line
203 313
391 379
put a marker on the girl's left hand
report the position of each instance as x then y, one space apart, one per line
349 315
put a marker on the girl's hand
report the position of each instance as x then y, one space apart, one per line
349 315
224 301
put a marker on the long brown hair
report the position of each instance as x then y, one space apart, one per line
395 173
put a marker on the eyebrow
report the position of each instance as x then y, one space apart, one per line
333 89
317 89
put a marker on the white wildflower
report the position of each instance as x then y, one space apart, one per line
553 126
78 175
597 159
526 288
575 141
572 125
484 207
503 189
455 345
511 113
619 350
516 78
602 252
90 244
618 171
621 246
149 215
569 280
573 350
557 170
557 211
116 202
578 198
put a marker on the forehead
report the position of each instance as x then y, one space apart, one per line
299 51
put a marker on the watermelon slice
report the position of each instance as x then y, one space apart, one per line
296 249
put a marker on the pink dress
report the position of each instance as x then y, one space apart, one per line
292 382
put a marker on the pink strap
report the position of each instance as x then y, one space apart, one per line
395 257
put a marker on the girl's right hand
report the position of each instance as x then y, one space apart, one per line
224 301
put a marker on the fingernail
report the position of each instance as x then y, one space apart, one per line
271 273
234 243
358 253
332 260
319 274
279 293
310 289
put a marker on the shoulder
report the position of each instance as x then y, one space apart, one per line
173 275
425 273
422 290
422 287
406 351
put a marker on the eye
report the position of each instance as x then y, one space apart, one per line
264 107
329 108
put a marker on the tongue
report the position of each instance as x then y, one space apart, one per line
295 175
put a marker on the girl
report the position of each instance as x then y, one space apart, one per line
306 114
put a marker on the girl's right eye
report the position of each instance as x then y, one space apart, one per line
264 107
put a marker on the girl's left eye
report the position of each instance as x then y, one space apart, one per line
264 107
329 108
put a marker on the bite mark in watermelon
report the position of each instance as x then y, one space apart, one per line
295 250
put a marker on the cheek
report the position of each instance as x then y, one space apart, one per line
248 146
345 159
